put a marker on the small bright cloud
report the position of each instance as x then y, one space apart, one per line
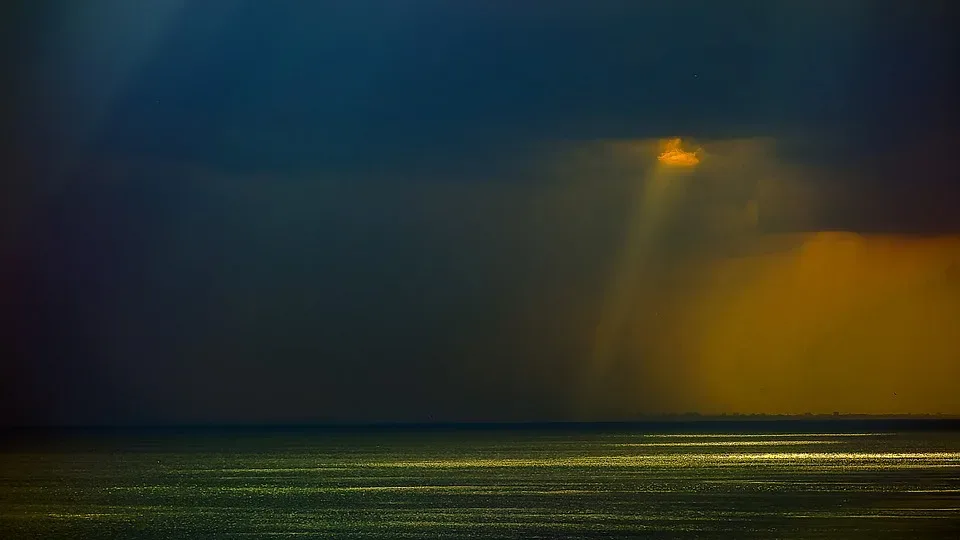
672 155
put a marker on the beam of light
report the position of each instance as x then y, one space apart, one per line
662 189
93 50
99 48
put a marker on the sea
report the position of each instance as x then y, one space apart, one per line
684 480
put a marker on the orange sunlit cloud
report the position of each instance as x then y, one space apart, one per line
673 155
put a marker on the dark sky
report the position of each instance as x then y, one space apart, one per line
306 211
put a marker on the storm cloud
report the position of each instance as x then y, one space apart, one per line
234 213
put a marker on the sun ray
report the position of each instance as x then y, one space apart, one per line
662 190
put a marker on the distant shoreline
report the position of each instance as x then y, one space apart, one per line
691 423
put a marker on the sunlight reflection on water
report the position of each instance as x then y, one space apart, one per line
490 485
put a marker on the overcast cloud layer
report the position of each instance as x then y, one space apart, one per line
259 212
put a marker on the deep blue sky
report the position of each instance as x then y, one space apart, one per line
260 211
250 84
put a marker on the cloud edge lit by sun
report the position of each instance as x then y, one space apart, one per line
673 155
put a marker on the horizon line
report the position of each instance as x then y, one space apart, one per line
663 420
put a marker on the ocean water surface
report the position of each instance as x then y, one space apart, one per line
466 483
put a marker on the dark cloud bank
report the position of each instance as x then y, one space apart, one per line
251 212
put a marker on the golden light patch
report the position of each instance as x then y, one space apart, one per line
844 322
672 155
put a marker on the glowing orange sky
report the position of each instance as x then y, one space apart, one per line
814 321
845 322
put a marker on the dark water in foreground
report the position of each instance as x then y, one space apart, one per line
482 484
